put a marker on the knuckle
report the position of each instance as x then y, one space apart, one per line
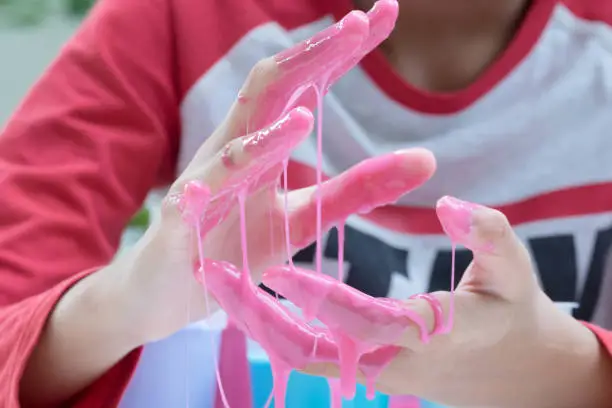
230 154
261 75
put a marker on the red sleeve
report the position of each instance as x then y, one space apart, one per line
604 336
77 159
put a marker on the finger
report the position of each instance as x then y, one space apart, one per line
501 264
382 19
370 184
248 163
274 84
247 158
265 320
373 321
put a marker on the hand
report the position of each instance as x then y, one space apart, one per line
161 280
509 345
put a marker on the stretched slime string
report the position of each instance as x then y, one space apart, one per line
361 337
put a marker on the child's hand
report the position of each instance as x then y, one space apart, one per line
163 293
509 345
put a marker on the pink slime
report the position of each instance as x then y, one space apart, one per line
291 342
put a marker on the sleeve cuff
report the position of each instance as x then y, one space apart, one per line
27 320
604 336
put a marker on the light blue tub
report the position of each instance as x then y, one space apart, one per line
305 391
178 372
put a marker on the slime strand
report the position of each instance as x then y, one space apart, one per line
195 201
340 229
349 362
335 393
319 90
286 211
246 273
436 307
280 378
451 307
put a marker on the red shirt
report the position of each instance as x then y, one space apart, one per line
98 131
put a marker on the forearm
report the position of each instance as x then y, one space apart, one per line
87 333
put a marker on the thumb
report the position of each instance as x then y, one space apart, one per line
501 264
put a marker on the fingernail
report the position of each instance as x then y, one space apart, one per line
354 28
456 217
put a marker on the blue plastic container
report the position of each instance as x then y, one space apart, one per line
179 372
426 404
305 391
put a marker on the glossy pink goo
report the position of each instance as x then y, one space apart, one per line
360 332
359 323
456 218
253 162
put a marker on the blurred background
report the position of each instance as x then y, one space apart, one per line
31 34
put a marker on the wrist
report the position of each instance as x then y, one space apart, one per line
572 367
104 298
156 285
